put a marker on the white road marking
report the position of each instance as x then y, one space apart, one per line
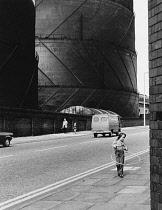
6 156
41 191
50 148
131 168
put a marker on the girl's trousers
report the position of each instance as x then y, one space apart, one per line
119 161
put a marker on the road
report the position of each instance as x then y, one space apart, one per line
26 167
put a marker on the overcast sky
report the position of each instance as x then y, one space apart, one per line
141 31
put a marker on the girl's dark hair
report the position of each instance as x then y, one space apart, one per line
120 135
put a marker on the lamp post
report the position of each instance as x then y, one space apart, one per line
144 109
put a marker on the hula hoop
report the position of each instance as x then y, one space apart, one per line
139 159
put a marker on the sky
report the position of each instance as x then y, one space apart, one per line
141 42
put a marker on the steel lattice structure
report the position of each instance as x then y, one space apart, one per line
87 55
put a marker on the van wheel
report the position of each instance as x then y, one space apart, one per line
110 134
6 143
95 135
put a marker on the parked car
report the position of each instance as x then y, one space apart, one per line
5 138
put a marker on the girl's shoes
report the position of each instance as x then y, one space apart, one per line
121 175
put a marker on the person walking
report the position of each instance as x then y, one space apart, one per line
120 148
75 127
64 125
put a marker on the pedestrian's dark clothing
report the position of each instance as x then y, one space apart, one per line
75 128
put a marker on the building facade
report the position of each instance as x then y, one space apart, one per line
141 104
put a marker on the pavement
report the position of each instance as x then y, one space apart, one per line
99 190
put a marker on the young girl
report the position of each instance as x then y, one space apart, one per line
119 147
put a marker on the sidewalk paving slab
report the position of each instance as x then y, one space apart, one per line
103 190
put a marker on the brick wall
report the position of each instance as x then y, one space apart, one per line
155 74
134 121
32 122
23 122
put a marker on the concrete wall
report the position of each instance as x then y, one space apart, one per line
155 74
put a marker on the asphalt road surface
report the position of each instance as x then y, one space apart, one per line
26 167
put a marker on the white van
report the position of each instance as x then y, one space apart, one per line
106 124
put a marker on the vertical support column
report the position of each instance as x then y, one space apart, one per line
4 123
155 76
32 127
54 126
81 26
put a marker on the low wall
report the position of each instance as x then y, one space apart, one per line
32 122
131 122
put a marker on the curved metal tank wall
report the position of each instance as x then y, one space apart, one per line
87 55
18 72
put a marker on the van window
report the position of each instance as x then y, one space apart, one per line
103 119
115 119
95 119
